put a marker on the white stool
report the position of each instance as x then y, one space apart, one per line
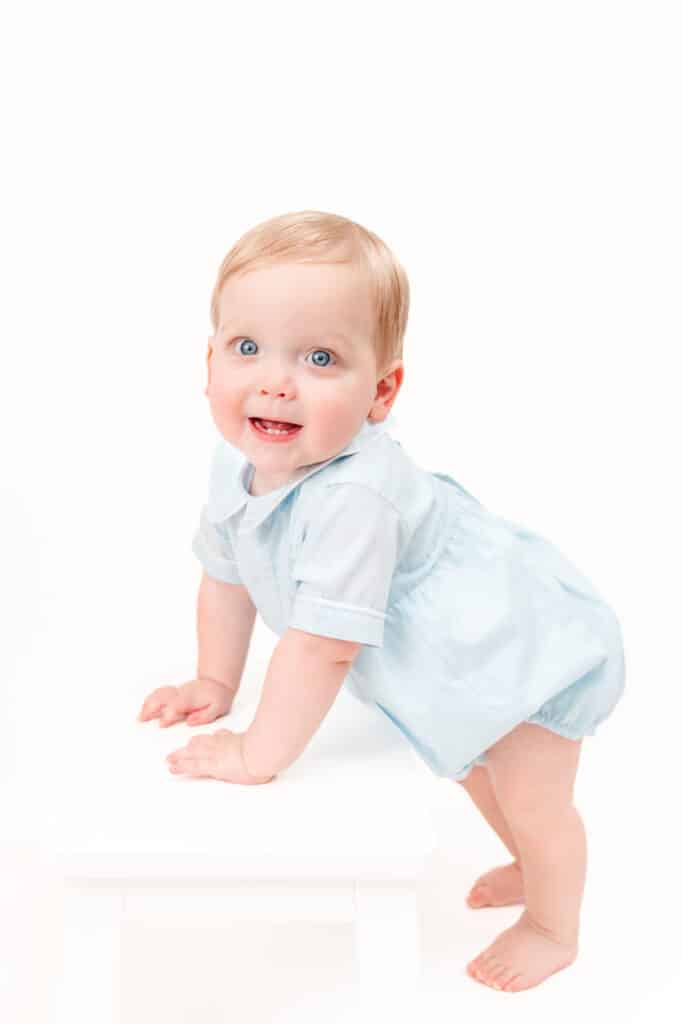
342 835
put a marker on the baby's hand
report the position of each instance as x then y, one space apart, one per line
215 756
201 700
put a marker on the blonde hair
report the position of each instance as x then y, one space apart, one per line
312 236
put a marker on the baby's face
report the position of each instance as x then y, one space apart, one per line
293 345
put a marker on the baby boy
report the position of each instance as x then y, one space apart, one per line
308 313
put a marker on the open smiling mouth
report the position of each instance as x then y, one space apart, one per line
274 430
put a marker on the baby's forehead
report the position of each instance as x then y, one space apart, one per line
295 321
291 289
297 310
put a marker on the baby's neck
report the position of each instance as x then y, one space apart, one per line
257 486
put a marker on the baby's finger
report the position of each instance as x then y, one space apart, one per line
153 704
175 754
169 716
185 703
194 747
200 716
150 710
198 767
174 712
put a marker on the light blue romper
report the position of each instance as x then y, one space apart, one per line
470 623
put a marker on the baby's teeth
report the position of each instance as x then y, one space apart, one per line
273 430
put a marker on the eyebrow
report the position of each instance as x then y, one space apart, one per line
339 337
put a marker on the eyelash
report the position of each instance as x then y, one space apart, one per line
234 344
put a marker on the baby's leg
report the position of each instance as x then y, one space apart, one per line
532 772
479 788
502 886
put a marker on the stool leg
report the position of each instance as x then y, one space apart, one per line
387 945
88 987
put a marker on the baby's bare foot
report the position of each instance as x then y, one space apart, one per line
501 887
521 957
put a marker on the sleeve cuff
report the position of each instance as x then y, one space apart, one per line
339 621
218 568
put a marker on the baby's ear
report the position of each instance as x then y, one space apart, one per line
209 351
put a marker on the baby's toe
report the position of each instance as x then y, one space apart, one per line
478 960
480 967
473 969
502 977
480 896
515 982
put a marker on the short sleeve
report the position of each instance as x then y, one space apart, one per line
211 544
344 565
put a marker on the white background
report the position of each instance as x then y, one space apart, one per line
524 162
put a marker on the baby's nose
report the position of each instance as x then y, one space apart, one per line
279 392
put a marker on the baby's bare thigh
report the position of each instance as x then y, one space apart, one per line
533 769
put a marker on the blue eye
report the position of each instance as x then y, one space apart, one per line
322 352
326 356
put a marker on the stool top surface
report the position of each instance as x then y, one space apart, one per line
354 799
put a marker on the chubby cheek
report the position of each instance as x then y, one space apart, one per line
224 409
335 422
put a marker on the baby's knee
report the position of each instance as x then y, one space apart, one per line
530 802
532 814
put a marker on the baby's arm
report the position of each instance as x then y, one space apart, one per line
225 621
304 676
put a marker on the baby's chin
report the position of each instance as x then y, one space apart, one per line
278 458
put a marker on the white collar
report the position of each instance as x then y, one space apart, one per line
232 472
